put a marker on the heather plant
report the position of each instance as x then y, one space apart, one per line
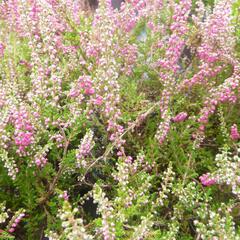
119 123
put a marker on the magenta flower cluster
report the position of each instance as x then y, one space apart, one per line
180 117
24 130
16 222
234 133
207 180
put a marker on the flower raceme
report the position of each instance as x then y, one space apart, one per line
1 50
24 130
180 117
84 149
234 133
207 180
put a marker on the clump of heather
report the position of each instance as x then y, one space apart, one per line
119 123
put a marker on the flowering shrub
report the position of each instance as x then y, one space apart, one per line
119 123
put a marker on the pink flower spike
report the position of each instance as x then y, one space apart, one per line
65 195
2 48
234 133
11 230
206 180
180 117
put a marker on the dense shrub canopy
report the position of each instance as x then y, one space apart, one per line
119 123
